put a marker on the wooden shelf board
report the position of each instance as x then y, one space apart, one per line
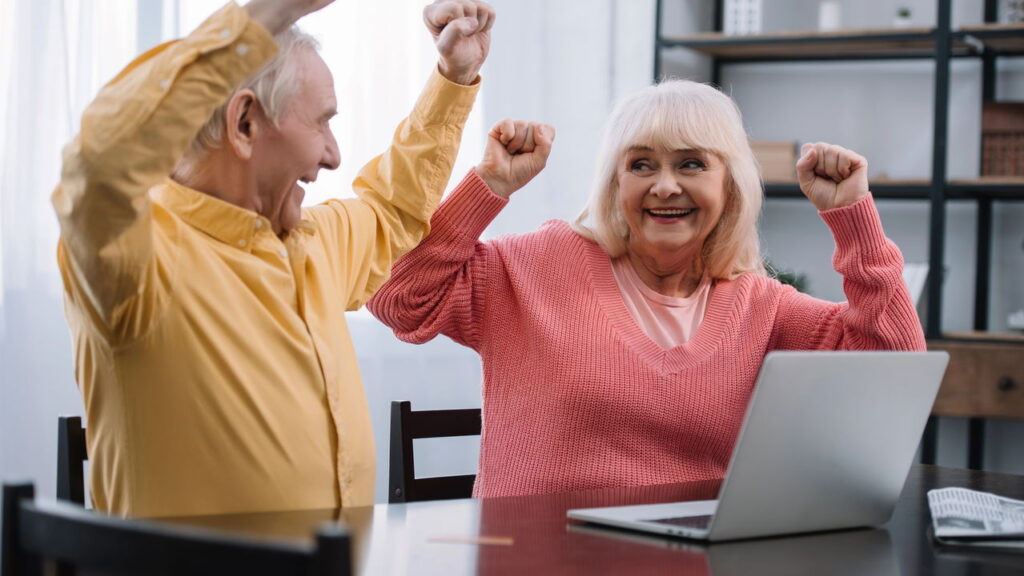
1006 38
911 42
986 337
900 182
994 187
882 189
989 181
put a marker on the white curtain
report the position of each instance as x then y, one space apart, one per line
54 56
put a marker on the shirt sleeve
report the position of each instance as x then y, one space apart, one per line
439 287
878 314
397 191
131 137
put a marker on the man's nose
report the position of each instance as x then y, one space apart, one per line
332 155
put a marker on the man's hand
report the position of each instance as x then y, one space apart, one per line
831 176
516 152
277 15
462 33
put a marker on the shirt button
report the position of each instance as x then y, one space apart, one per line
225 33
165 84
283 253
242 242
242 49
258 223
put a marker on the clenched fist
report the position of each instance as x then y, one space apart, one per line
462 34
516 152
831 176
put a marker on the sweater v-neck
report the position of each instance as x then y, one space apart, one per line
690 353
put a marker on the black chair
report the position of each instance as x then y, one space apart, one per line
407 426
36 533
71 457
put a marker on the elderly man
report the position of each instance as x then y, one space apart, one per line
206 307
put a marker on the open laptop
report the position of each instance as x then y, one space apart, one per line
827 442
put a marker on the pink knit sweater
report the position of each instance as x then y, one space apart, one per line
575 395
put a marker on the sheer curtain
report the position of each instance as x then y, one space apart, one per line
54 57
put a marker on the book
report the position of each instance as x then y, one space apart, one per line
965 517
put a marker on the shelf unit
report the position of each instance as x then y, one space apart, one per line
941 44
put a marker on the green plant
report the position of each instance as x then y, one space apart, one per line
795 279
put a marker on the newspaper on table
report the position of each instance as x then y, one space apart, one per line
969 517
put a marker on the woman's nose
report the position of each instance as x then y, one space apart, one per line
666 185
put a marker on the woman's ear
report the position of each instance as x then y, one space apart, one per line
244 120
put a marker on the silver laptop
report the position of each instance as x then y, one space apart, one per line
827 442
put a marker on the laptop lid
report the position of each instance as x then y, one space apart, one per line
827 442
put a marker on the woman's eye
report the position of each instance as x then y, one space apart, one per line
691 164
640 166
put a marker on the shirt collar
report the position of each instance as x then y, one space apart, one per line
214 217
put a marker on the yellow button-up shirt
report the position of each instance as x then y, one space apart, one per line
213 356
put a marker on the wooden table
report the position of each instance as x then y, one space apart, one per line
530 535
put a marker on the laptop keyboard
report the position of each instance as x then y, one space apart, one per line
698 522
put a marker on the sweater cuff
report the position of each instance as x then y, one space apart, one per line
857 224
472 206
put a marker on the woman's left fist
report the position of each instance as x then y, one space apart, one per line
831 176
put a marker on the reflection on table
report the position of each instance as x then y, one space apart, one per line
531 535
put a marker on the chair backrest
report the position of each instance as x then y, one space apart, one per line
407 426
71 457
35 533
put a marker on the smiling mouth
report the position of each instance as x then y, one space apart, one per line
670 212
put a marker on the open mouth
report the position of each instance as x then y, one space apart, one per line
669 213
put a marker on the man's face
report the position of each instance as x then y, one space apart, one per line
302 144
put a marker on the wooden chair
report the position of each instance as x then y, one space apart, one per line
71 457
36 533
407 426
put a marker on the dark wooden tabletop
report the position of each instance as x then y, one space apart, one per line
530 535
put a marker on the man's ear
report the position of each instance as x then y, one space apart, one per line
244 123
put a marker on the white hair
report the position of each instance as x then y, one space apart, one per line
273 85
677 115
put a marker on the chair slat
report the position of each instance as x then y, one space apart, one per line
442 488
443 423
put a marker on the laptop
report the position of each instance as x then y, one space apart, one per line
826 444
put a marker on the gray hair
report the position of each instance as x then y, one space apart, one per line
677 115
273 85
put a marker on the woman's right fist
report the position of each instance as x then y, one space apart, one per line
516 152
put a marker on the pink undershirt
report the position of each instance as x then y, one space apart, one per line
666 320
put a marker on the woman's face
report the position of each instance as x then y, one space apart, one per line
671 201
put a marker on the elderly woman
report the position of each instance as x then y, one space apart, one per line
622 349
